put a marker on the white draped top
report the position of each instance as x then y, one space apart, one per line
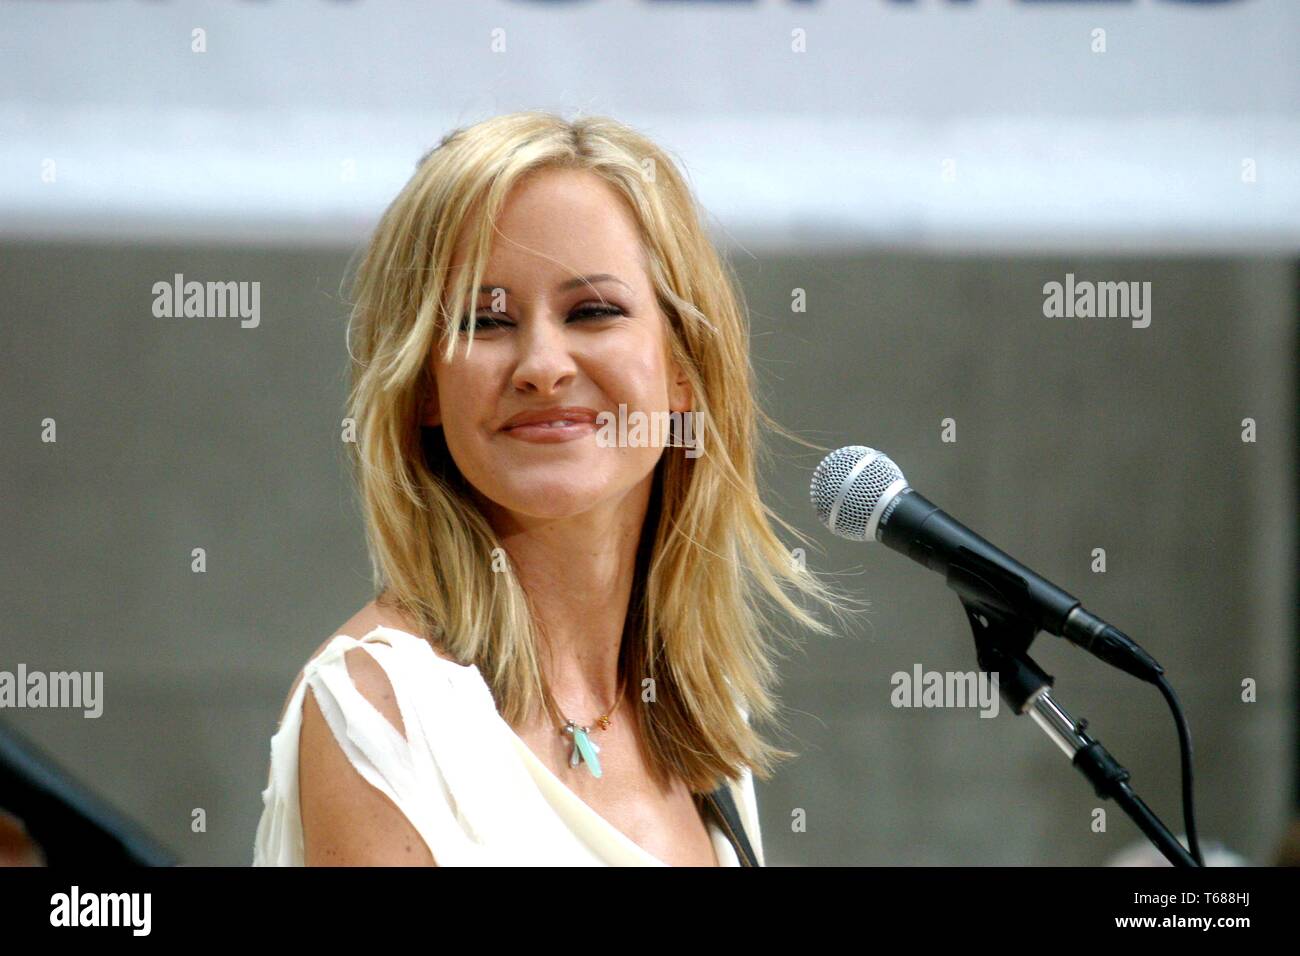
468 784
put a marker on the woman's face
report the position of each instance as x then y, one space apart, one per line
546 339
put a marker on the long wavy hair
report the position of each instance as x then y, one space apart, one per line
709 564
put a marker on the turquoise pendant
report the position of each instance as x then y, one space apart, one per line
584 748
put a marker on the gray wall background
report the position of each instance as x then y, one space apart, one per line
1072 434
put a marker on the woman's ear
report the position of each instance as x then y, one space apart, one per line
681 397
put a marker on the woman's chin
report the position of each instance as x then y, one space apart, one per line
554 490
552 496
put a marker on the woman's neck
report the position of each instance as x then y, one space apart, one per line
578 573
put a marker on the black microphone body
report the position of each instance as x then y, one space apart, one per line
912 525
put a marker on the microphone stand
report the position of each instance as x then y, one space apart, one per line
1001 644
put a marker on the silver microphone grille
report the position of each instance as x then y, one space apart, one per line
850 488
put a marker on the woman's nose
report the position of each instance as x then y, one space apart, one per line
544 362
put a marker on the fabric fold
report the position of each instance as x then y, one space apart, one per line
460 774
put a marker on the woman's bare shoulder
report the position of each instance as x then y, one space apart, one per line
379 613
374 614
333 795
366 673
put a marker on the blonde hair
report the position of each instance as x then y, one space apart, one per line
708 554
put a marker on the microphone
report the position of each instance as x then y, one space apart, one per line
860 494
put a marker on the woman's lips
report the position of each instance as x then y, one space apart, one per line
542 434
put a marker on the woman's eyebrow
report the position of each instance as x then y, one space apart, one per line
568 284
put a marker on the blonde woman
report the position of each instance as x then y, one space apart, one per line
566 653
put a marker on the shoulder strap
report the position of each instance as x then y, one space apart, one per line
723 807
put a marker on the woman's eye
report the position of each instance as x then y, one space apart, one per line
597 311
488 320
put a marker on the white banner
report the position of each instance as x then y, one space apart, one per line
1012 124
